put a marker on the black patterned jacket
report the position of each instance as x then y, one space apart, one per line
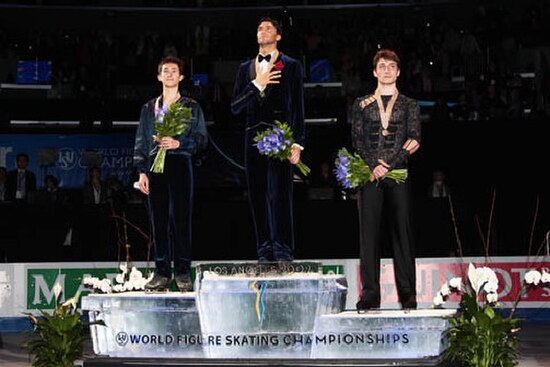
366 131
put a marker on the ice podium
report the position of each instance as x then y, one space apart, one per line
243 312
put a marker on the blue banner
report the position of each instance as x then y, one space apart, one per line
69 157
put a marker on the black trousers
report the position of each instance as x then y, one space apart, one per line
394 198
171 204
270 191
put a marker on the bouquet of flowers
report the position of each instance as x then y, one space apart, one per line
277 142
479 336
170 122
351 171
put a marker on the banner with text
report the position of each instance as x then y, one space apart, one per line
69 157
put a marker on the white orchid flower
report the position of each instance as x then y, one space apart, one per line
97 283
438 300
105 286
486 275
545 277
123 268
117 288
89 281
491 297
473 277
490 287
73 301
141 283
135 274
533 277
57 289
478 277
456 283
445 290
120 278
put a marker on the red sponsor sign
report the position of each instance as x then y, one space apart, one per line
431 274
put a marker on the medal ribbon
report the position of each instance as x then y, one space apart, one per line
385 113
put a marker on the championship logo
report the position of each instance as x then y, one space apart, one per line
121 338
66 158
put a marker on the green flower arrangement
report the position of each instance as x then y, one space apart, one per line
170 122
61 334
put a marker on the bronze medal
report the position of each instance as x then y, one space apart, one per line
385 113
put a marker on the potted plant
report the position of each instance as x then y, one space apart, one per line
60 335
479 335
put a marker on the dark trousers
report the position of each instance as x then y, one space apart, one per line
270 189
171 202
372 199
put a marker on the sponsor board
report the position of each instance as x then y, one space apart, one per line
29 287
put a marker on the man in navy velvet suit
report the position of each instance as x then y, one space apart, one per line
269 87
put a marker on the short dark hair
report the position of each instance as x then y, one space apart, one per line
170 60
386 54
22 155
278 27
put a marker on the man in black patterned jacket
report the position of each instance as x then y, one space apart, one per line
385 132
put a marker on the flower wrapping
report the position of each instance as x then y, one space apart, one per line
351 171
277 143
169 122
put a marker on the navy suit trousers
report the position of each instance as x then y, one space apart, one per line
171 203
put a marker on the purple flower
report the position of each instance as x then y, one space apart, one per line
341 171
271 143
160 114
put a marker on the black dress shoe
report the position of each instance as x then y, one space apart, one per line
158 283
409 302
365 304
184 283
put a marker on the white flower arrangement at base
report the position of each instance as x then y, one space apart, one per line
125 282
534 277
480 336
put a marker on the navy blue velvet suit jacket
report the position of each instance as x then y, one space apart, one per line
283 102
